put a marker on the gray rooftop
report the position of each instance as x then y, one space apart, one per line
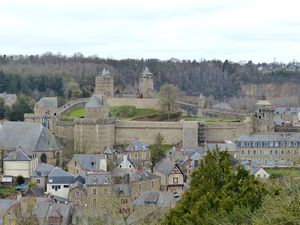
165 166
103 178
222 105
18 155
270 137
94 102
48 102
157 198
59 176
146 71
42 170
60 210
31 136
89 161
136 145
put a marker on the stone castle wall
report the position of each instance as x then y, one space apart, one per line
146 131
139 103
226 130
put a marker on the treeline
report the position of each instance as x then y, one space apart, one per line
74 76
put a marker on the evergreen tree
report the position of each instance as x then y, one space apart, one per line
156 150
19 108
219 192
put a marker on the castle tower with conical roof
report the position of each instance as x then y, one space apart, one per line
146 85
104 84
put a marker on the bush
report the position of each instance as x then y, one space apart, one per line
20 180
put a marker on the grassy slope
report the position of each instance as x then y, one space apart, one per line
293 172
7 191
77 112
197 118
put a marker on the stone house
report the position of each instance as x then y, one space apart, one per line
58 183
139 153
40 175
78 195
46 105
124 162
172 178
99 188
19 162
32 137
82 163
254 169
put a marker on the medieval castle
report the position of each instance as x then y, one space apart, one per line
97 130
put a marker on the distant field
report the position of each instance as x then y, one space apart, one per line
197 118
277 172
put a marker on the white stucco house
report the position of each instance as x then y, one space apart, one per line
20 162
58 182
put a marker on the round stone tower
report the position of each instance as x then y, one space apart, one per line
96 108
263 118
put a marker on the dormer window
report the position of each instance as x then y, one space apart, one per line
94 180
92 163
75 163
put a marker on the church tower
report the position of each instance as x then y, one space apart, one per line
263 118
146 85
104 84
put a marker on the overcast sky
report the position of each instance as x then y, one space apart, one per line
261 30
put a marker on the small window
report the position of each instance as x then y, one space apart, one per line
249 152
242 144
288 152
66 186
242 152
276 152
77 193
175 180
282 144
276 144
271 152
288 144
295 144
254 144
58 187
249 144
266 144
282 152
260 152
152 183
75 163
38 181
254 152
135 155
139 187
259 144
271 144
94 191
266 152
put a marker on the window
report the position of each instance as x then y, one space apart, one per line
271 144
175 180
152 183
124 201
106 180
66 186
77 193
271 152
242 152
135 155
295 151
254 152
276 144
266 144
249 152
295 144
288 152
242 144
38 181
260 152
288 144
282 144
259 144
139 187
248 144
94 191
276 152
75 163
254 144
282 152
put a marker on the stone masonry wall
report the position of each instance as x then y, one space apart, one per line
137 102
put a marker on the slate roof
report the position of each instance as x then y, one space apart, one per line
35 191
275 136
137 145
222 105
138 175
42 170
48 102
8 97
123 189
157 198
105 72
102 178
252 168
59 176
31 136
230 147
60 210
109 151
94 102
18 155
165 166
88 161
146 71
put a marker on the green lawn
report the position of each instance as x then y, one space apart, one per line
197 118
75 113
124 112
130 112
277 172
7 191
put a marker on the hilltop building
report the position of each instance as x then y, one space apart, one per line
146 84
104 84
